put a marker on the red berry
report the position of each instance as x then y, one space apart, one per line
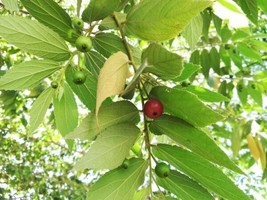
153 108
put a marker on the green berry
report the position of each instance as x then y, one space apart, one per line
79 77
125 164
77 23
162 170
83 43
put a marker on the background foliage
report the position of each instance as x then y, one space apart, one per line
207 65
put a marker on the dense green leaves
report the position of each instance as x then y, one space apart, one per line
115 113
33 37
66 112
27 75
50 14
119 184
39 108
110 148
186 106
184 187
161 62
161 20
193 139
200 170
99 9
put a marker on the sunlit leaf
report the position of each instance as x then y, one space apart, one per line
112 77
110 148
33 37
119 184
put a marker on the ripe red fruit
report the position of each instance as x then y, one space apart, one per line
153 108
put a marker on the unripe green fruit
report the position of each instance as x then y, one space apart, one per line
79 77
162 170
125 164
54 84
83 43
77 23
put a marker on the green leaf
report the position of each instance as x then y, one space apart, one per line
49 13
194 139
66 111
86 91
193 31
206 16
99 9
11 5
226 33
263 5
94 61
206 95
188 71
187 106
242 92
27 75
110 148
158 20
33 37
200 170
141 194
195 57
39 108
108 44
250 8
255 93
215 60
205 63
119 184
109 22
115 113
217 21
249 52
184 187
164 64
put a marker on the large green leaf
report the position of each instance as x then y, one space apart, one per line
99 9
255 93
49 13
186 106
33 37
164 64
86 91
248 52
159 20
119 184
27 75
11 5
193 31
192 138
39 108
66 111
200 170
184 187
206 95
109 43
250 8
94 61
110 148
115 113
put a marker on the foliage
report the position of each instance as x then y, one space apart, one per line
204 61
